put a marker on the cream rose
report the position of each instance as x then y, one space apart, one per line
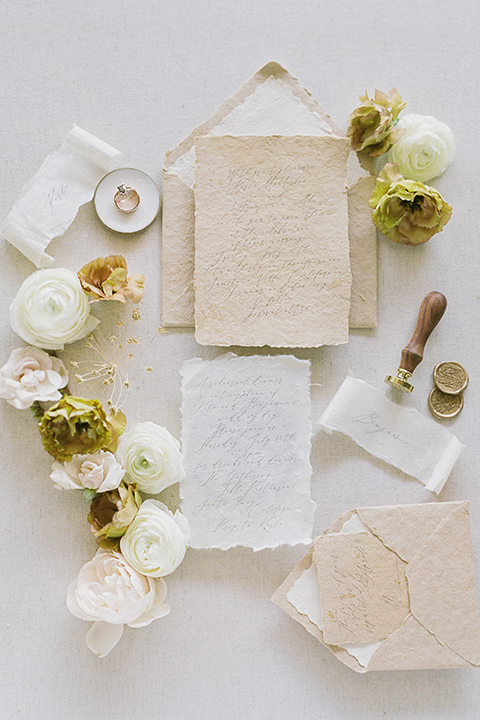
98 471
426 148
30 374
156 540
111 593
151 457
50 309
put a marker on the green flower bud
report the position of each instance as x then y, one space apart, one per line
74 426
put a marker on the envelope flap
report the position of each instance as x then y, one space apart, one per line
442 585
404 528
338 524
270 71
412 647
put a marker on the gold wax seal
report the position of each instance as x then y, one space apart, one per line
450 377
444 406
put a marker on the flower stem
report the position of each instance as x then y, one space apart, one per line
37 411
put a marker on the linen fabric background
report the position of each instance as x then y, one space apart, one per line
140 76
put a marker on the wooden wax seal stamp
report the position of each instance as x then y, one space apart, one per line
431 312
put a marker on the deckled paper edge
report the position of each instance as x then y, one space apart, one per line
445 465
363 300
178 252
188 370
460 512
279 597
271 69
447 460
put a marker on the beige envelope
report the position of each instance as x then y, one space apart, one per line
391 588
272 103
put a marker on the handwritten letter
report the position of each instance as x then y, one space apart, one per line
271 241
246 442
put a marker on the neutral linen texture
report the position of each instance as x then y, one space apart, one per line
141 76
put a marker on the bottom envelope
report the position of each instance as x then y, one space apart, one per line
391 588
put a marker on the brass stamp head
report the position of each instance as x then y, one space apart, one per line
400 380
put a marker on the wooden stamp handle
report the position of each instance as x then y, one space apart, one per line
431 312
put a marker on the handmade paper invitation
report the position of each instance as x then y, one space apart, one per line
400 435
391 588
246 444
273 102
272 262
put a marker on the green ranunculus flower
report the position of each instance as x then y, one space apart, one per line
371 125
111 513
406 211
75 426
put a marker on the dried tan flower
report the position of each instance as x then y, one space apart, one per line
371 126
112 512
106 279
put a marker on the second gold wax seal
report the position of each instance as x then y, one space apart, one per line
444 406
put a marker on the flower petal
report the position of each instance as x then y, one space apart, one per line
159 608
426 148
155 612
102 637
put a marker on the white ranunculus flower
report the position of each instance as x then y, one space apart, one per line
50 309
426 148
30 374
151 457
98 471
111 593
156 539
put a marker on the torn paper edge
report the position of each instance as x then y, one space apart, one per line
445 465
